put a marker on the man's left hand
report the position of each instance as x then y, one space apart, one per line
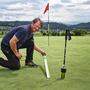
43 53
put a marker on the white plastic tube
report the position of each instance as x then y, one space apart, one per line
46 67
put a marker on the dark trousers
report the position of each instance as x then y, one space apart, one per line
12 61
29 45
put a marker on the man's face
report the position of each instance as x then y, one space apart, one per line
36 26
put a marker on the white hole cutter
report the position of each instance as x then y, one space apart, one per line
46 66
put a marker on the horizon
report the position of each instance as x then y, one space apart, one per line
50 22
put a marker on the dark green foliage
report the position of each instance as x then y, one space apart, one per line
79 32
54 33
62 33
44 32
55 29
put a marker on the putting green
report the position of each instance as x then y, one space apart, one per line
77 63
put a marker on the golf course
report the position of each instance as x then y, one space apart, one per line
77 76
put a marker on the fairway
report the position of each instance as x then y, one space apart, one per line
77 63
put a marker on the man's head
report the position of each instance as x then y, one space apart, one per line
36 24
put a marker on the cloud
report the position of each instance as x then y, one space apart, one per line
66 11
20 6
63 16
65 1
78 1
87 2
19 11
54 2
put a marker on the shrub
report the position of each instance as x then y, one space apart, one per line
79 32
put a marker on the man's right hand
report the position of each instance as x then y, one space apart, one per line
13 45
19 55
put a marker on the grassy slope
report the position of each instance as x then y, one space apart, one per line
78 67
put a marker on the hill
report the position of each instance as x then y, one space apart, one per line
53 25
81 26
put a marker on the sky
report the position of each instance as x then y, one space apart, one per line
64 11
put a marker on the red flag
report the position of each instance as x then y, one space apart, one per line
47 8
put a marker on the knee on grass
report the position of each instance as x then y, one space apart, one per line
15 67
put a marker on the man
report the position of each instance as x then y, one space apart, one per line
20 37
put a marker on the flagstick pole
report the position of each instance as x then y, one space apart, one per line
48 28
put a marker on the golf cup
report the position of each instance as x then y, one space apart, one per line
63 71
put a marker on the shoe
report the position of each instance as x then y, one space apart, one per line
31 64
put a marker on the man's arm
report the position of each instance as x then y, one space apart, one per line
39 50
13 46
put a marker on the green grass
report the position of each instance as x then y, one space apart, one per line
77 62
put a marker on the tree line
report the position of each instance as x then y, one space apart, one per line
55 29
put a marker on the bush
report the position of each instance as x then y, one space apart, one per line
79 32
1 32
45 33
53 33
63 33
38 34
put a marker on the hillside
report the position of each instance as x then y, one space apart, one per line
81 26
53 25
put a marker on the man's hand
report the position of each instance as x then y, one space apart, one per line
43 53
19 55
39 50
13 45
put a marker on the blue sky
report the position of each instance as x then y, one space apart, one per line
65 11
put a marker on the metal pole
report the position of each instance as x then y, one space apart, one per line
65 48
48 27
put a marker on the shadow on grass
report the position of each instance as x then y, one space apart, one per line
7 73
42 69
51 82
